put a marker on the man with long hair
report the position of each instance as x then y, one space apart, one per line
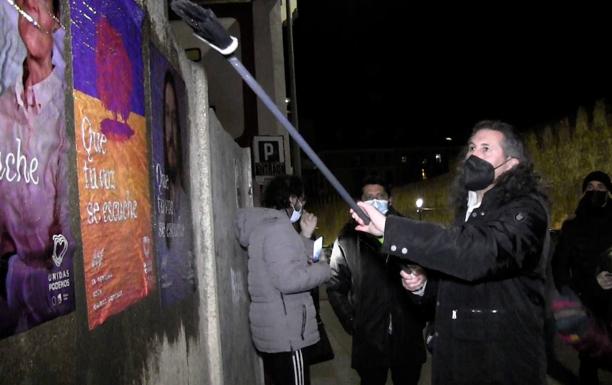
491 265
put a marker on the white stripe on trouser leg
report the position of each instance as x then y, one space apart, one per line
301 367
298 367
295 370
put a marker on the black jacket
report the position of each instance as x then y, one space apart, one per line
582 244
366 294
490 299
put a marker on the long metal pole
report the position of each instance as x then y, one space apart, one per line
248 78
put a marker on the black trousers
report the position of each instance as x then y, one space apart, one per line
401 375
287 368
588 370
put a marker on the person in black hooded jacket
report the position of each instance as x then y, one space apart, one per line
366 294
491 264
582 242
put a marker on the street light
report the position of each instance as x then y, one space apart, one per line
419 205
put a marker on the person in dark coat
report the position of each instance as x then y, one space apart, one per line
490 304
366 294
583 241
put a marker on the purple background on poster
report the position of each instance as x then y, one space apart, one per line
175 259
85 17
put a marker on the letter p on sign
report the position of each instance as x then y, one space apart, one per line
268 151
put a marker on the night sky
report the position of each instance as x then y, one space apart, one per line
385 74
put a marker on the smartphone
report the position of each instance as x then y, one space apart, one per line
316 249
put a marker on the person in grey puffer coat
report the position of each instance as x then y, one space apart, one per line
281 273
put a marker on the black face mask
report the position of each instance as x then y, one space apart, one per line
596 199
479 174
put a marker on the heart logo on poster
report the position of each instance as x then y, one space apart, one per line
60 247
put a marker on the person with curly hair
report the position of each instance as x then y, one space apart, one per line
281 274
490 265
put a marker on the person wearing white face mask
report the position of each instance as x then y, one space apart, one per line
491 264
281 273
367 296
381 205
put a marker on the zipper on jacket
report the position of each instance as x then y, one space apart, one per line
285 310
474 311
283 301
303 320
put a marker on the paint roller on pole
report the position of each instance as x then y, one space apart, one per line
206 27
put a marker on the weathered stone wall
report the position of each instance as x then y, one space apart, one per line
203 339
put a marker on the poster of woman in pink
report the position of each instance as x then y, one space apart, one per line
36 243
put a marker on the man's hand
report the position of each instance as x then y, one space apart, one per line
604 279
413 278
308 223
377 220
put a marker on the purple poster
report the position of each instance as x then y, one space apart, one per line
173 228
36 243
112 149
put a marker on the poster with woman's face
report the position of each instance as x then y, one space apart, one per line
112 155
172 207
36 242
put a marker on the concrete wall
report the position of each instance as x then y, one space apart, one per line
224 84
231 188
200 340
